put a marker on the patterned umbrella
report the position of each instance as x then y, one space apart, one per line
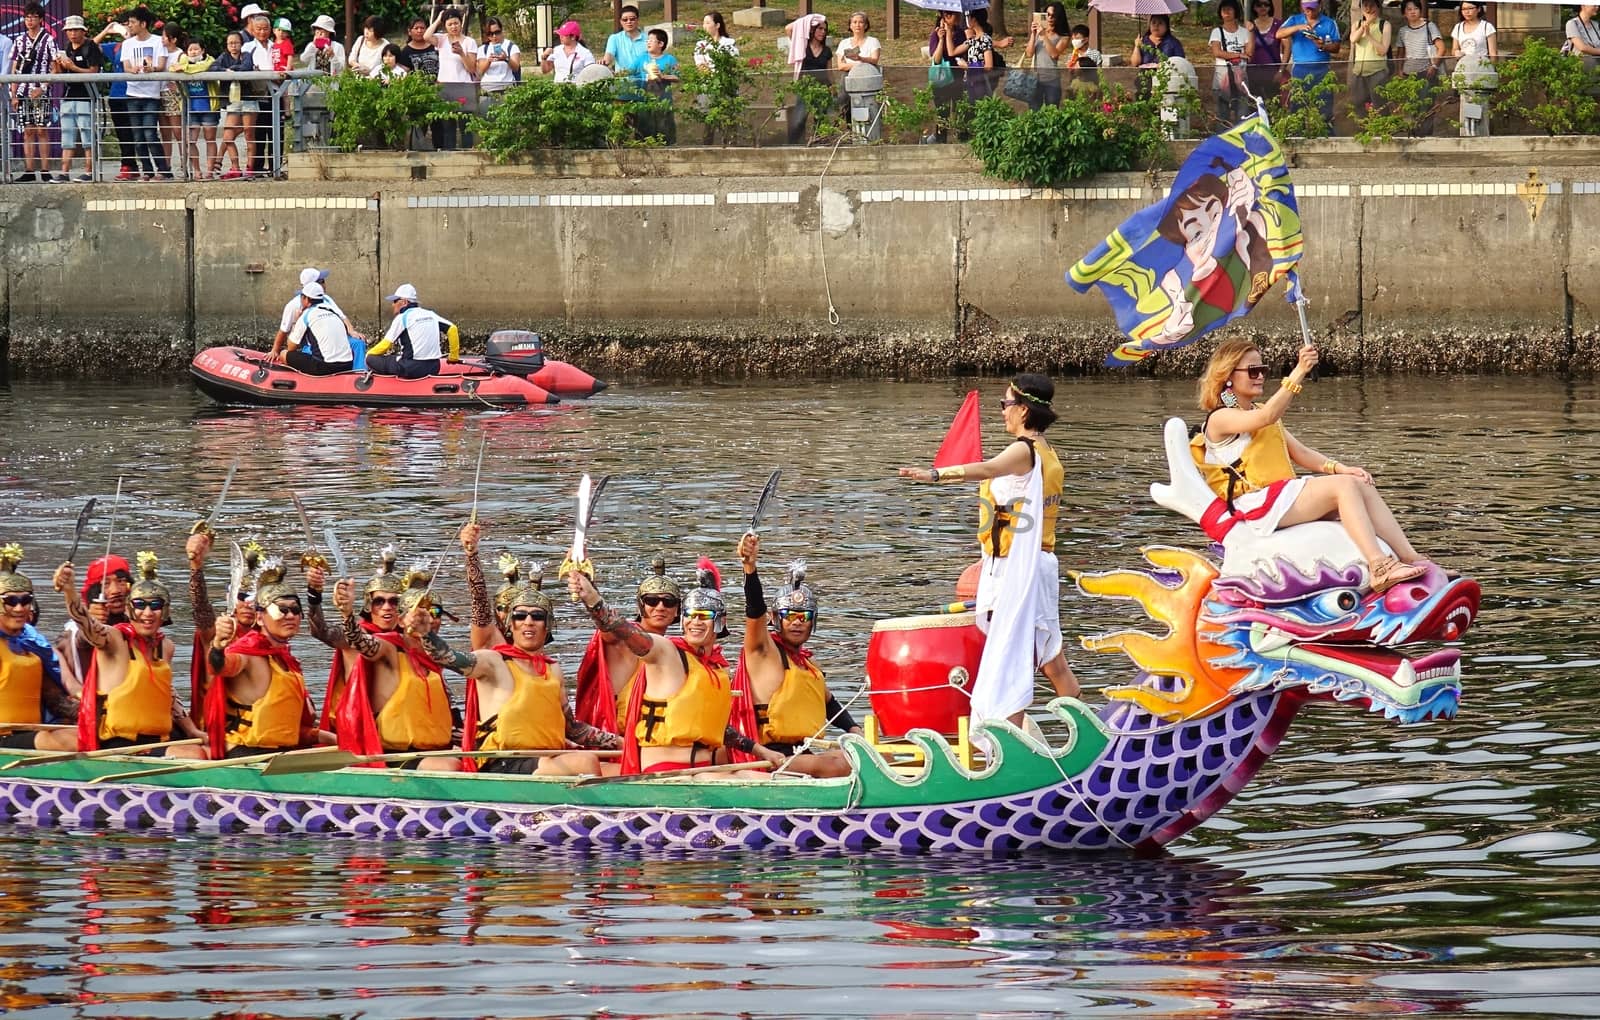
959 6
1138 8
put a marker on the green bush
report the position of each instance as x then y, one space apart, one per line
716 96
1550 90
1296 112
826 123
1083 136
542 114
1404 106
368 112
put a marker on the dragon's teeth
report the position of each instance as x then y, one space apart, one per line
1272 640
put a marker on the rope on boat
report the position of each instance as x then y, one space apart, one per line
806 743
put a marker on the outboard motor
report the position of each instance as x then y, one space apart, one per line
515 351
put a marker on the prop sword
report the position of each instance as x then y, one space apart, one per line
338 553
77 534
578 556
476 477
311 558
765 500
204 527
236 571
111 528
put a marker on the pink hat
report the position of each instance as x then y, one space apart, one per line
570 28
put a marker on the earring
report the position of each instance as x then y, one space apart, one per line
1228 399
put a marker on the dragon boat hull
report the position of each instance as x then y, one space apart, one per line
1122 781
237 376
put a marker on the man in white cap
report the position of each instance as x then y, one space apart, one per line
258 47
414 335
78 56
318 342
291 310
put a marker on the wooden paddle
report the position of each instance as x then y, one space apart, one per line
327 759
193 766
35 727
732 766
104 752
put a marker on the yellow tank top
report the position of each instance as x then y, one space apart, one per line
996 528
21 684
1263 458
417 716
273 720
798 708
141 706
533 717
697 714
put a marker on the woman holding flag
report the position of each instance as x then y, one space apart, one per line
1019 588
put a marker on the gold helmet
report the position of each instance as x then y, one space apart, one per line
417 583
271 584
532 596
148 586
658 583
385 579
11 582
252 563
511 570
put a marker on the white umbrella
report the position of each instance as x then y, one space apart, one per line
1138 8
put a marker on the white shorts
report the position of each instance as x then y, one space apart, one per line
1267 523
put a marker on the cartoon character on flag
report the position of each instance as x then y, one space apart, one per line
1227 232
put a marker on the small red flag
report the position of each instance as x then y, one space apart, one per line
963 444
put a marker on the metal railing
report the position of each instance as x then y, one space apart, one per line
280 86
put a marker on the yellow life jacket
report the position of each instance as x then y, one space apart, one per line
533 717
21 685
140 706
417 716
697 714
272 720
798 708
998 524
1265 460
625 696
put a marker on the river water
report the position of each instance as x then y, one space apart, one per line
1449 868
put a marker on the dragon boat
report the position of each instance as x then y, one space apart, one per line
1250 638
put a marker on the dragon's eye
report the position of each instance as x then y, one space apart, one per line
1337 602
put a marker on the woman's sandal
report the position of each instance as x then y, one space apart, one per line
1425 563
1389 571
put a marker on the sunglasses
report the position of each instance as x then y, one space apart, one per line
659 600
288 608
13 601
808 615
139 604
437 612
1008 402
1254 371
380 601
536 615
701 614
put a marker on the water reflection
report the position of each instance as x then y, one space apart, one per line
1369 869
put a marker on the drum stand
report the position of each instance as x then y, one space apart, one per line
904 753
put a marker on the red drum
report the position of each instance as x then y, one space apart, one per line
920 671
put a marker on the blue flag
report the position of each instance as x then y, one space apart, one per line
1202 257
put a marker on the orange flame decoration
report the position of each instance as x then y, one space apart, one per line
1185 652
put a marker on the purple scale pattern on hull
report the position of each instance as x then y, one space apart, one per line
1153 782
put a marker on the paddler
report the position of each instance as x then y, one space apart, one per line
684 711
396 700
516 698
792 702
382 614
241 607
608 669
127 699
261 703
30 678
105 590
1019 589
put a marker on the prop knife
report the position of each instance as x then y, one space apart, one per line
310 558
476 477
578 556
111 528
336 551
204 527
236 571
83 522
764 502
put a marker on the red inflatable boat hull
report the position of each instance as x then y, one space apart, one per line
560 378
234 375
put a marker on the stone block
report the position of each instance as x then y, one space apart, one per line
760 17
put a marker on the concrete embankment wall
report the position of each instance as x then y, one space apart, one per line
1435 255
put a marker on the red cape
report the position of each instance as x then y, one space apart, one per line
596 702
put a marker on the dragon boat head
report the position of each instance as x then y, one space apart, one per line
1293 611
